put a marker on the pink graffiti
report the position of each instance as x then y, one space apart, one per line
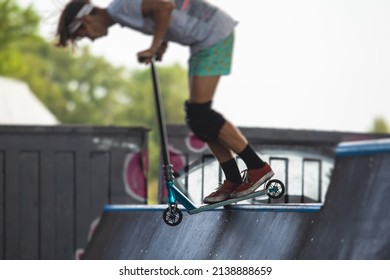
134 175
194 144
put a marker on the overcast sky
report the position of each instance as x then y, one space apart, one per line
310 64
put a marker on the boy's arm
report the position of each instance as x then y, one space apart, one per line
160 11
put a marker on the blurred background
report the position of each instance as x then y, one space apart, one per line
298 65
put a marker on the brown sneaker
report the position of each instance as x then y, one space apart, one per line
253 179
221 194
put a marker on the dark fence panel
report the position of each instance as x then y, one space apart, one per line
55 181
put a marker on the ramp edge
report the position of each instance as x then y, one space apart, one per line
285 207
362 148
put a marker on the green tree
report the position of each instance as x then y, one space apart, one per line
16 24
380 126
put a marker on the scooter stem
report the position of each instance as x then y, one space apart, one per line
167 167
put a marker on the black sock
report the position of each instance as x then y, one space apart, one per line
232 173
251 159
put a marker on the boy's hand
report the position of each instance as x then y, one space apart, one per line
147 55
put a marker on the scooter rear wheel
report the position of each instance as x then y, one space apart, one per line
172 216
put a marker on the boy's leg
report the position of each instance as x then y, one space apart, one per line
205 68
202 90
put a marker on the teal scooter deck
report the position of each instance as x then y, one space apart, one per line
207 207
273 188
172 215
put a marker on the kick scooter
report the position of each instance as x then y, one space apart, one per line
172 216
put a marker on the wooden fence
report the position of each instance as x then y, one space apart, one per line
55 181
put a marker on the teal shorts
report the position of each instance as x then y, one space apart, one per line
213 61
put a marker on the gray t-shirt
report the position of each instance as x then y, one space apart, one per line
194 23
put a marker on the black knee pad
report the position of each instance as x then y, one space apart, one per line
203 121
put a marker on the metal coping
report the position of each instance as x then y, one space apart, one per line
362 148
285 207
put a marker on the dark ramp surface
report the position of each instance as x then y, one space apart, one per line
353 223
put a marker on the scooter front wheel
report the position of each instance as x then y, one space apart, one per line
172 216
275 188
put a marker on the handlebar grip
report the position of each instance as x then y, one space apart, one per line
141 59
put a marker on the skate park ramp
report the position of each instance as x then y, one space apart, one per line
353 222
